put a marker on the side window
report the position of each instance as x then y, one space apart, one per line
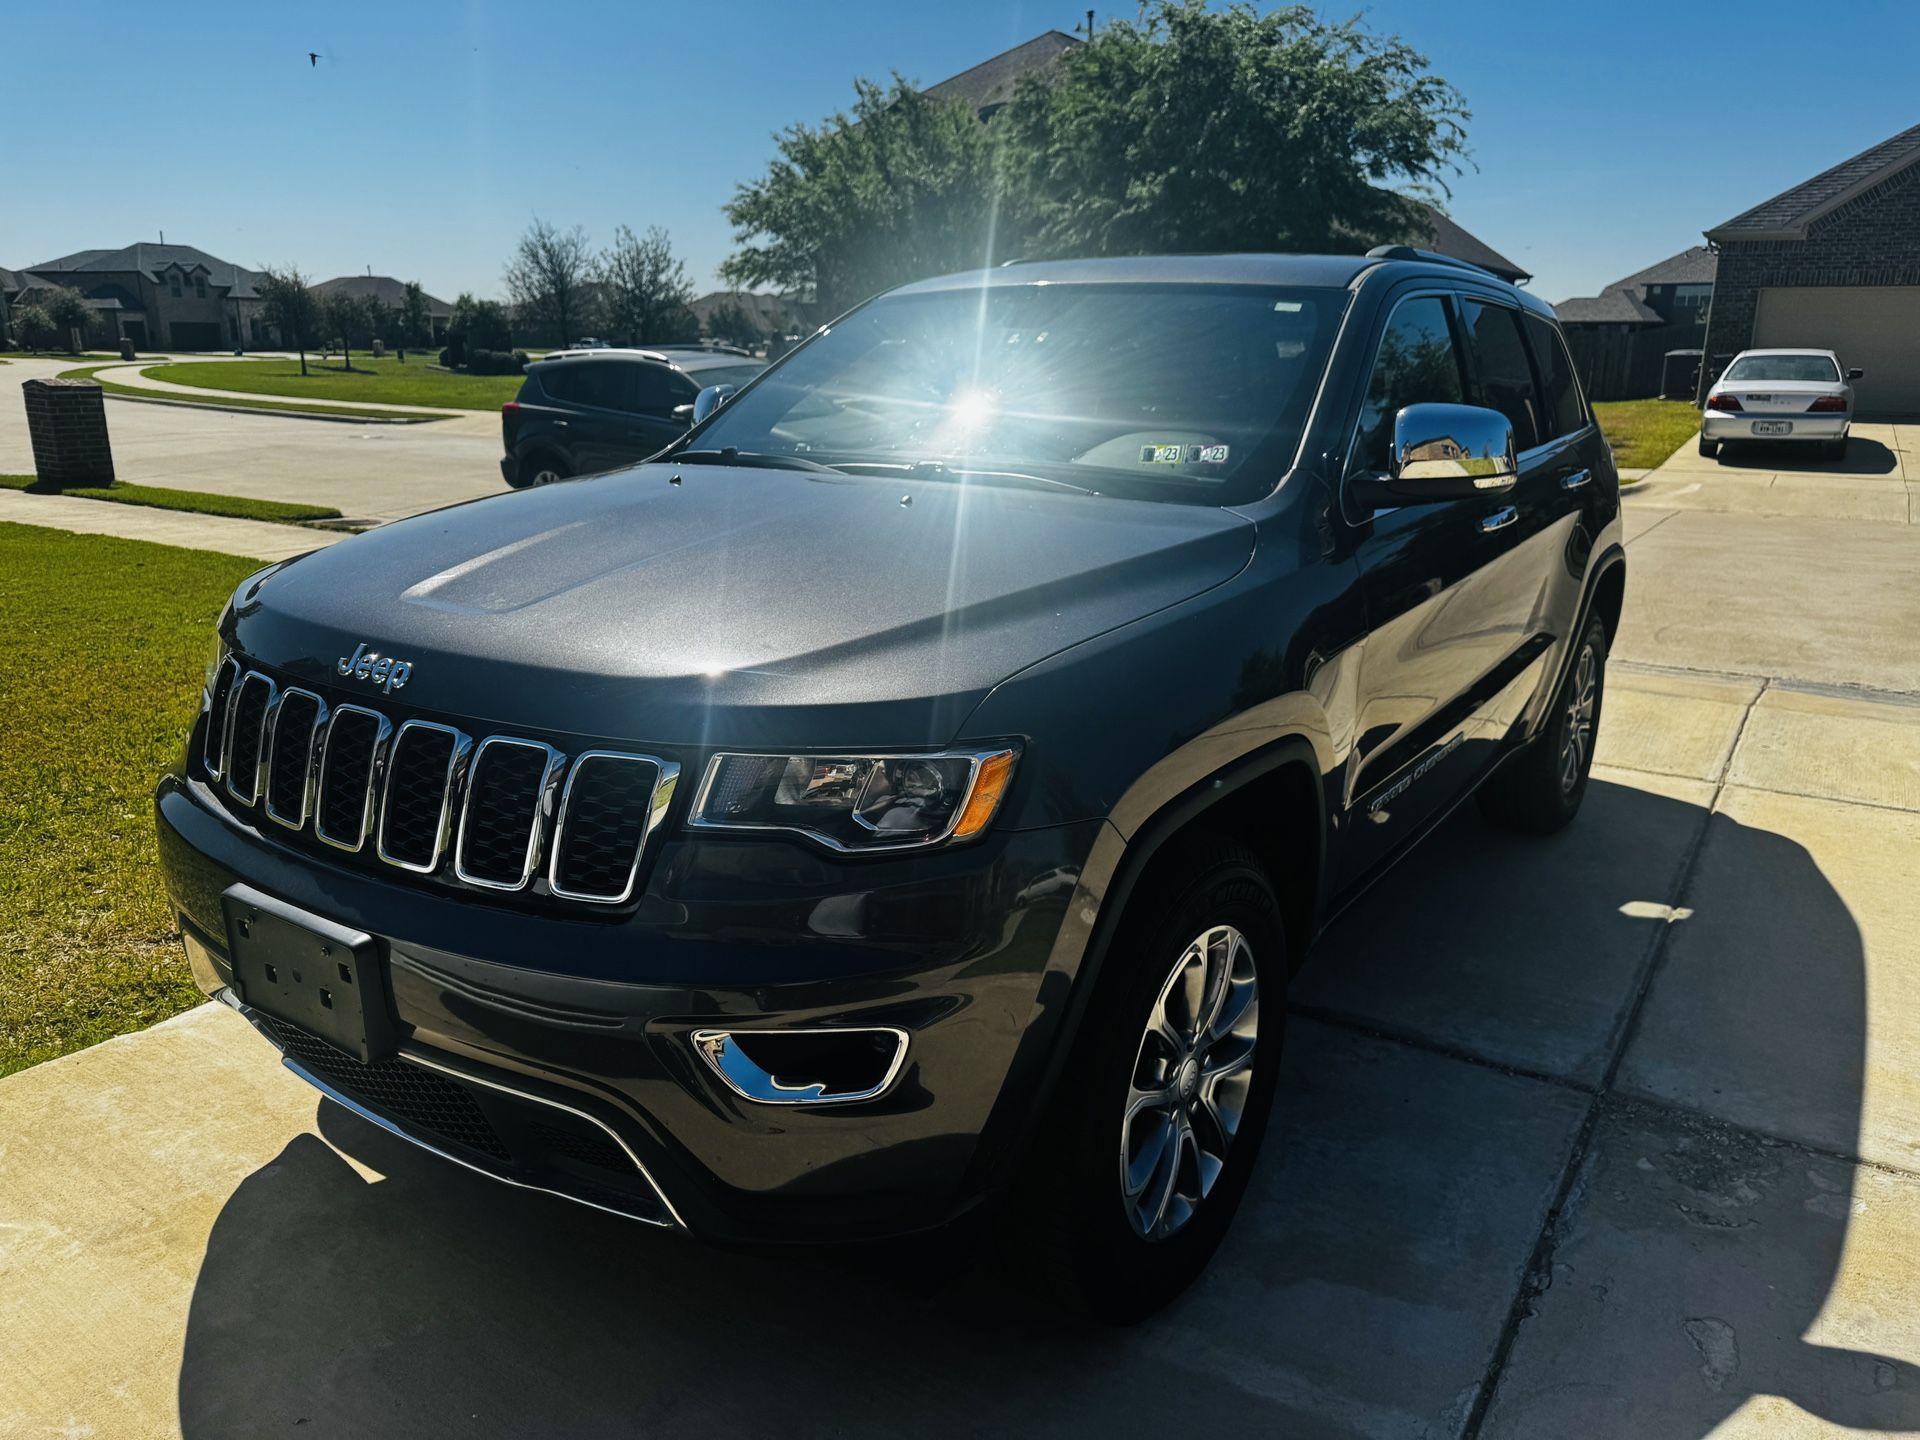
652 394
591 382
1559 395
1417 365
1502 378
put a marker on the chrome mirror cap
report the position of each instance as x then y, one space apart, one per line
710 400
1452 450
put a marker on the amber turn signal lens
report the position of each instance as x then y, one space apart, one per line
996 771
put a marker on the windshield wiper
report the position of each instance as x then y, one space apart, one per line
938 469
751 459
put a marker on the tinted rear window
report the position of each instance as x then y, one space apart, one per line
1782 367
587 382
723 374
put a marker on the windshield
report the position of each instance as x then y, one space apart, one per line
1782 367
725 374
1179 392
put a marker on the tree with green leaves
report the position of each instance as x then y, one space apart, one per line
548 278
342 316
477 325
903 187
33 325
733 324
291 307
643 287
66 310
1197 130
416 322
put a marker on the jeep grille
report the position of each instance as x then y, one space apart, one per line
502 812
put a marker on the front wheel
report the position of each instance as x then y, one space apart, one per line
539 469
1539 790
1158 1125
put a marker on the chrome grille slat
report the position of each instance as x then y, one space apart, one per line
423 770
616 828
213 743
509 793
294 726
350 762
246 742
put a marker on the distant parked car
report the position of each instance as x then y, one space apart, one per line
1796 395
580 412
588 342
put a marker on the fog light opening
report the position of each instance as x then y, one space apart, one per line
805 1067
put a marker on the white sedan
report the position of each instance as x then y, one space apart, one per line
1799 395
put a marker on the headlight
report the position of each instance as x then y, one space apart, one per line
857 802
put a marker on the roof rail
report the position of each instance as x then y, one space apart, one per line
1432 257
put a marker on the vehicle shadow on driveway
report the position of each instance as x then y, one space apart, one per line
1366 1289
1864 457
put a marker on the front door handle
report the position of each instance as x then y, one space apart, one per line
1500 519
1574 479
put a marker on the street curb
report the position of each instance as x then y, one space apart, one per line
282 414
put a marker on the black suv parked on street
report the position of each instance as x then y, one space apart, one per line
916 787
600 409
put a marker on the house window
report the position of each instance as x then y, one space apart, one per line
200 287
1693 296
173 284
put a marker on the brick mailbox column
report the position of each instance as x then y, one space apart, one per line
68 422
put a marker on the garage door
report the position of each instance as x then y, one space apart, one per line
1876 327
194 334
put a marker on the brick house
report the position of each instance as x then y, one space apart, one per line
162 297
389 292
1832 263
1620 337
988 86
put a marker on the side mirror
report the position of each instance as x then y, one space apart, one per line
1445 452
1855 374
710 400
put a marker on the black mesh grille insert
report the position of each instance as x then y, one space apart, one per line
416 795
581 1143
292 758
248 734
340 811
216 737
604 822
395 1088
503 810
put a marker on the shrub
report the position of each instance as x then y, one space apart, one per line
494 362
522 357
448 358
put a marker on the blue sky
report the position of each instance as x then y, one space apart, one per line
1605 136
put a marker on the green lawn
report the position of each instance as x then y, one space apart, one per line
385 381
114 387
1643 433
238 507
103 646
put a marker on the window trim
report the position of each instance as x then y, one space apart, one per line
1573 374
1526 351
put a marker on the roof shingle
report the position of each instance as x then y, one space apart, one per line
1613 307
385 288
1788 214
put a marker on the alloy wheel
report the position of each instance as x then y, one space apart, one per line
1583 702
1192 1073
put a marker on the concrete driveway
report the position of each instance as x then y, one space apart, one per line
1615 1134
1879 479
367 472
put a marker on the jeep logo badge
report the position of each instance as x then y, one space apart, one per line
383 670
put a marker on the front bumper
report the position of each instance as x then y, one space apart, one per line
1729 425
538 1015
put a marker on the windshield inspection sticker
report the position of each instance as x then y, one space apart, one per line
1184 454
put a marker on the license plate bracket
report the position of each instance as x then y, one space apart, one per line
310 971
1773 427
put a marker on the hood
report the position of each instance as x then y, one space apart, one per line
739 606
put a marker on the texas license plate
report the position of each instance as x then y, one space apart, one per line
1773 427
310 972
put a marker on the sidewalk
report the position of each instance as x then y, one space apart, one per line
260 539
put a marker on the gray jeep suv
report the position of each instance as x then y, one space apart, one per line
909 795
